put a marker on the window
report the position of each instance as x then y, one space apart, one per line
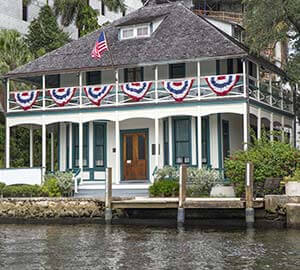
127 33
143 31
205 141
139 31
229 66
25 12
134 74
182 140
93 77
53 81
226 139
102 8
166 142
177 71
75 142
100 145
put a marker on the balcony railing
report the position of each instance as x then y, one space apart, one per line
223 15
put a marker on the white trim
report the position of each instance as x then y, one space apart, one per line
70 145
271 126
245 128
81 149
170 141
44 149
91 144
199 137
134 29
52 151
118 155
31 147
259 123
156 124
7 145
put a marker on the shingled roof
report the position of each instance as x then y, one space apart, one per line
182 35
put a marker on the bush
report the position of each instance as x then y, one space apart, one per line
65 182
2 186
294 178
50 187
19 190
200 181
167 173
164 188
270 159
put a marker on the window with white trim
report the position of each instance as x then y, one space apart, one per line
127 33
139 31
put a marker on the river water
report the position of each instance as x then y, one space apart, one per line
140 247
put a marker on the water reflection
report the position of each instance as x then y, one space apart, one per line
140 247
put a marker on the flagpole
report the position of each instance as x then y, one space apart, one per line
111 58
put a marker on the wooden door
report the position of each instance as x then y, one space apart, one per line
135 156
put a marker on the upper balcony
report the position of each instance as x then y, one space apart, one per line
188 82
236 17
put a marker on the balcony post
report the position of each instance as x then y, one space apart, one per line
170 141
81 149
31 147
199 139
156 141
7 145
245 77
117 142
271 127
52 151
259 124
258 81
270 89
80 89
44 149
44 91
199 78
156 83
246 126
117 86
70 146
7 94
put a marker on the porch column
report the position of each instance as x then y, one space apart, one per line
156 141
246 127
80 88
245 78
91 145
31 147
199 139
271 127
52 151
156 83
70 146
7 94
170 141
7 145
282 129
44 91
259 124
118 163
199 78
117 86
44 149
81 149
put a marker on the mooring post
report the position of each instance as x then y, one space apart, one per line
182 194
250 214
108 196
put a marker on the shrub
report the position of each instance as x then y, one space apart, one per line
270 159
167 173
19 190
294 178
2 186
200 181
50 187
164 188
64 181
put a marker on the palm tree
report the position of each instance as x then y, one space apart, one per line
75 10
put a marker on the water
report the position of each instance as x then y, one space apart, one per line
139 247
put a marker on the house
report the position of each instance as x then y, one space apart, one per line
173 89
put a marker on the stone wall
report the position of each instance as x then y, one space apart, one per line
51 208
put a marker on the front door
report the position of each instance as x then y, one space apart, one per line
135 156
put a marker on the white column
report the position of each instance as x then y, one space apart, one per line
259 124
199 78
7 145
270 86
156 141
193 140
282 128
271 127
258 81
80 88
245 78
246 131
118 162
81 149
44 154
31 147
199 138
170 141
44 91
117 86
91 144
156 83
70 146
52 151
7 94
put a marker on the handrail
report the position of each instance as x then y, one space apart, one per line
225 15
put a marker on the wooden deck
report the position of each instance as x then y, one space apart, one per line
195 203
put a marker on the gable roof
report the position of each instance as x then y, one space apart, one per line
182 35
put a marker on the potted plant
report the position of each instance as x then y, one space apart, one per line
292 184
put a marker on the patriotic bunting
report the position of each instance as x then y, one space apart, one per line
62 96
178 89
222 85
97 93
26 99
136 90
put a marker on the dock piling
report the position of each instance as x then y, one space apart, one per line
249 211
182 194
108 196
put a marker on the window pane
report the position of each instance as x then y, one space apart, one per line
127 33
177 71
141 147
182 130
142 31
182 149
129 148
93 77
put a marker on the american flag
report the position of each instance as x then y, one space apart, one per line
100 46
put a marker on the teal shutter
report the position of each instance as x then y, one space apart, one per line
100 146
166 142
75 143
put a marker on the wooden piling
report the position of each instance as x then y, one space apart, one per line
249 211
108 196
182 194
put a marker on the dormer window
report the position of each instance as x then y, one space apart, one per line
137 31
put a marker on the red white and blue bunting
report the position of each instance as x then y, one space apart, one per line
62 96
178 89
26 99
222 85
96 93
136 90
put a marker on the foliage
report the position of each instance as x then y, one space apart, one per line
44 34
164 188
270 159
87 21
200 181
2 186
21 191
50 187
167 173
294 178
64 181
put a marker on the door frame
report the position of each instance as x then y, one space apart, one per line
128 131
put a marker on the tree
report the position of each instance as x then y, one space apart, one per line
44 34
82 14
